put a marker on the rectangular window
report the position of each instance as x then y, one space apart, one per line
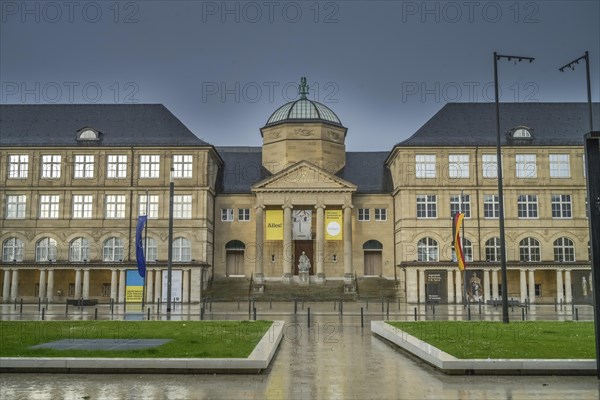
227 214
426 206
526 166
84 167
16 206
116 166
560 167
458 165
381 214
182 166
149 166
527 206
363 214
561 206
489 164
82 206
51 167
491 206
18 166
182 206
243 214
106 290
457 205
425 165
49 206
115 206
153 203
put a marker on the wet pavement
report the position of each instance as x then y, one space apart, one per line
334 358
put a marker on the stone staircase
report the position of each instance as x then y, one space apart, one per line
230 289
328 291
376 288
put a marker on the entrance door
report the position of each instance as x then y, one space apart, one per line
235 262
373 263
305 246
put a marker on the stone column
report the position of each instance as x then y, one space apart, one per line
495 294
113 284
259 276
450 284
486 285
531 286
50 290
320 242
458 287
42 293
86 284
77 283
559 286
568 288
14 286
348 243
186 286
287 243
149 286
6 286
422 297
523 282
412 286
158 284
121 286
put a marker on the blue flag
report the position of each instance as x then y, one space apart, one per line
139 246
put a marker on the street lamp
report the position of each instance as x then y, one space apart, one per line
170 254
571 65
498 57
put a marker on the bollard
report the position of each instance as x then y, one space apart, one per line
66 307
341 306
415 313
124 305
479 307
238 304
46 301
295 306
249 307
303 303
43 314
308 321
96 313
254 312
148 313
201 313
362 318
271 304
39 303
15 303
382 305
572 308
112 306
387 310
210 304
577 314
561 304
555 305
512 305
496 303
469 313
398 303
433 308
21 307
522 314
159 300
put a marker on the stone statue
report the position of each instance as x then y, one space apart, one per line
303 263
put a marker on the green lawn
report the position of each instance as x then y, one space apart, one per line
190 339
530 339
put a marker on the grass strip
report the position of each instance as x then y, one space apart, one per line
523 339
189 339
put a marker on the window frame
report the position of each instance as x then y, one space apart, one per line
16 247
559 167
425 246
564 249
561 207
455 202
458 166
84 165
116 166
380 214
363 215
182 206
491 202
16 209
153 202
426 206
115 206
17 167
423 166
183 165
49 206
149 166
530 246
243 214
51 166
523 163
227 214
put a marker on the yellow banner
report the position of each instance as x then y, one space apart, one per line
333 225
274 225
134 294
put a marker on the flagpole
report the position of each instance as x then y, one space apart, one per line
464 285
145 251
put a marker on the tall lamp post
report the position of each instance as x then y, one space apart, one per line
170 254
498 57
571 65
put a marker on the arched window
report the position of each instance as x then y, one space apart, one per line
235 245
492 249
529 250
182 250
564 250
467 251
113 250
45 250
12 250
151 250
372 245
79 250
521 132
427 250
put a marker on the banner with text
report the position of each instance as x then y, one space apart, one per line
274 225
333 224
176 285
134 286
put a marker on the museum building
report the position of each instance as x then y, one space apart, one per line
75 178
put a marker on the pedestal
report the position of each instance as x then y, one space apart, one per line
287 278
304 278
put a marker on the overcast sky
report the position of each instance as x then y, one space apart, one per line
384 67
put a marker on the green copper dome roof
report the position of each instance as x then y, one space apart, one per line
303 109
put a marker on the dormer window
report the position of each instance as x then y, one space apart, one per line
88 135
520 134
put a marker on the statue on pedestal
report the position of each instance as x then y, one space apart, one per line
303 263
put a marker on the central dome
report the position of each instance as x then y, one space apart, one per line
303 110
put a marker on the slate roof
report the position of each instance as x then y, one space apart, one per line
120 125
243 168
474 124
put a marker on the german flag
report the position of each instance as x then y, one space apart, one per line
457 222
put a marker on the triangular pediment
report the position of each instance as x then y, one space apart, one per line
304 176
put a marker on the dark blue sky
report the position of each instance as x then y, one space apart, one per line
385 67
